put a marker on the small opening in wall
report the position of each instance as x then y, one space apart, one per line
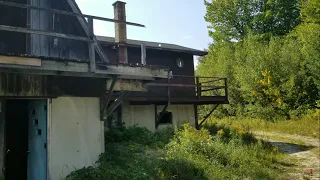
166 118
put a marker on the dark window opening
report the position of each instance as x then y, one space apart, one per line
166 118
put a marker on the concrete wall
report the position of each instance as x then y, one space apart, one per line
76 135
2 135
144 115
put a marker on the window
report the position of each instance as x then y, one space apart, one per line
180 63
166 118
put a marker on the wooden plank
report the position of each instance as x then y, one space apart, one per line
20 61
80 69
85 27
92 52
78 14
45 33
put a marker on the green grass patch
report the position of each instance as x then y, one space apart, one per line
214 152
283 139
307 125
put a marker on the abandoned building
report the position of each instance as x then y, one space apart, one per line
61 86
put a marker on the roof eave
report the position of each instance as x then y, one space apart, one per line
193 52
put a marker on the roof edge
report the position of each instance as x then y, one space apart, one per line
154 45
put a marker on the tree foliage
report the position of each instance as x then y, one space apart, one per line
235 19
273 66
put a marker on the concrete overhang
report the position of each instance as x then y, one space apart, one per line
79 69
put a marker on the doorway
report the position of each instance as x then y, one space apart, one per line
26 139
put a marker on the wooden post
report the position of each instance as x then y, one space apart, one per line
198 87
226 87
92 53
196 118
143 54
2 137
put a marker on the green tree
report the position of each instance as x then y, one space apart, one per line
233 20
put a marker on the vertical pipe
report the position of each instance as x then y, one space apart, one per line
92 58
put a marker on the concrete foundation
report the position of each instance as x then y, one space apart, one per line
76 135
144 115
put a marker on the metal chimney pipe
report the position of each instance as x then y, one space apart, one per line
121 31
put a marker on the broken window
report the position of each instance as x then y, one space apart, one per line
166 118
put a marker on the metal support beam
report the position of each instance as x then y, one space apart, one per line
161 115
208 115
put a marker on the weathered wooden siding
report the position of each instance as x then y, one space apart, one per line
13 42
51 46
161 58
23 85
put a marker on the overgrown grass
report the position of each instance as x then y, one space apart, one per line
307 125
214 152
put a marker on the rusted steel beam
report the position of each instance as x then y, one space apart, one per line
11 4
208 115
45 33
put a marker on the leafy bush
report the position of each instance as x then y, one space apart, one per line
223 160
305 125
139 135
214 152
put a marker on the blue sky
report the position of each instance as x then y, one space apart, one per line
170 21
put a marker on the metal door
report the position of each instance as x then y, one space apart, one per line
37 159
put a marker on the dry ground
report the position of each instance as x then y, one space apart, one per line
304 153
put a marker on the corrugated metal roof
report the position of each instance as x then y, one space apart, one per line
154 45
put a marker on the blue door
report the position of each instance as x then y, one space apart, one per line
37 158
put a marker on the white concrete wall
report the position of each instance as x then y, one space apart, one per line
144 115
76 135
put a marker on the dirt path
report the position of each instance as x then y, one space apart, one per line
304 151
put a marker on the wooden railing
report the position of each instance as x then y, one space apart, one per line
199 86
